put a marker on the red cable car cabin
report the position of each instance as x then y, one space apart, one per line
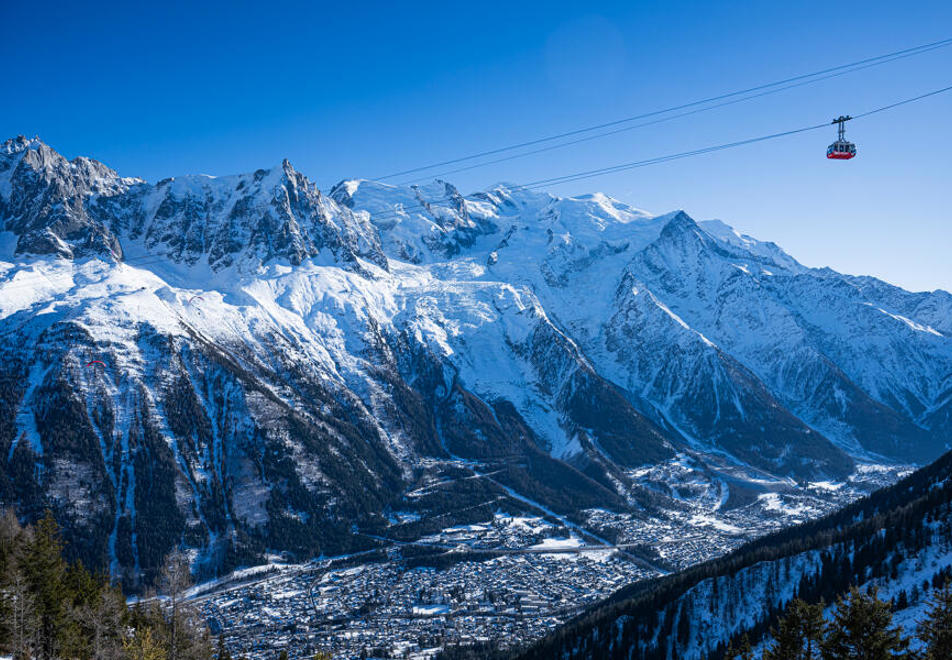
841 149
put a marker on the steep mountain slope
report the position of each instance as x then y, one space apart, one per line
242 363
899 539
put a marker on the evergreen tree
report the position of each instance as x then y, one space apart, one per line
144 646
742 651
902 601
45 571
935 630
79 589
798 634
862 629
10 540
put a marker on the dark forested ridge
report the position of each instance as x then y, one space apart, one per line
696 613
860 625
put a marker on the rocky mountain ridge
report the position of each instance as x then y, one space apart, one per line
244 364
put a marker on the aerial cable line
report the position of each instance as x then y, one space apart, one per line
660 120
578 176
663 159
903 102
915 50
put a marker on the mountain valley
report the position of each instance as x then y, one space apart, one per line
409 388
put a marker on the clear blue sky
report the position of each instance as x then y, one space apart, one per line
362 89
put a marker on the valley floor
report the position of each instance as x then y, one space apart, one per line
505 581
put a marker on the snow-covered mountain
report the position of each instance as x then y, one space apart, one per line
245 364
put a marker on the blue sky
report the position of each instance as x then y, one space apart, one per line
364 89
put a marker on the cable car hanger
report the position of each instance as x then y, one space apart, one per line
842 149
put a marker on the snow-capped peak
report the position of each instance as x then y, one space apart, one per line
20 143
766 249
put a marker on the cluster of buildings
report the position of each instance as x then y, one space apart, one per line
405 608
505 581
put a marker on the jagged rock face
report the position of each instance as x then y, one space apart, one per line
241 364
43 200
270 214
80 207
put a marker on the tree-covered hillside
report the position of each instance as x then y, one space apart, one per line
50 608
899 539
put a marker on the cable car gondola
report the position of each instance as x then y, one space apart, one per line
841 149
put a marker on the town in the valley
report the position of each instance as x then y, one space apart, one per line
504 581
